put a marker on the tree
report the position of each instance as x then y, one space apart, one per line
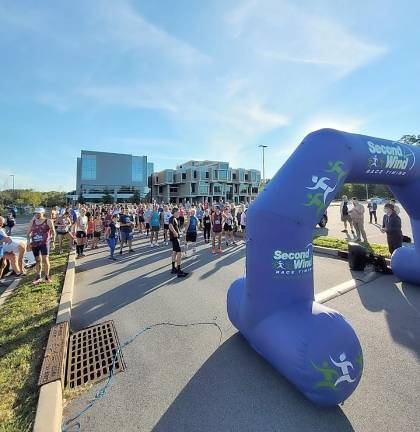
107 197
136 198
411 139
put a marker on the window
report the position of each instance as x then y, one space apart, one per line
217 189
241 175
137 169
207 174
233 176
224 166
173 189
193 188
203 189
88 167
223 174
246 177
195 174
184 176
254 190
169 175
215 176
157 179
254 176
160 189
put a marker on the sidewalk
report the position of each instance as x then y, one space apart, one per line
179 380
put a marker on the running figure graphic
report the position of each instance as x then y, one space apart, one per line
328 373
337 167
344 365
315 200
374 162
320 184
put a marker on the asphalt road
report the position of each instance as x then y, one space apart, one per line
374 235
181 380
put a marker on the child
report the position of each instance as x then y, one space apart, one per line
191 231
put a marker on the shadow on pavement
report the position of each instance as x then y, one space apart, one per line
401 307
237 390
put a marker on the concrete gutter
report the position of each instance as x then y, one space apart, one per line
49 413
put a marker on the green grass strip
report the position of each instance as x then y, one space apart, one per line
25 321
340 244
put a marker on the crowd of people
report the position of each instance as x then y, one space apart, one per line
86 225
353 216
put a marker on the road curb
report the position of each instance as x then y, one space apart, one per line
9 290
49 413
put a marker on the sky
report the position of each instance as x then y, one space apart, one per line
178 80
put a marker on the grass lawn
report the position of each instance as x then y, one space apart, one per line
336 243
25 321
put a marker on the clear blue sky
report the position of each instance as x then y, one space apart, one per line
180 80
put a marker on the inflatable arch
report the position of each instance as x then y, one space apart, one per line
273 307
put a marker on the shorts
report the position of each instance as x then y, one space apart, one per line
181 220
346 218
80 234
175 245
43 250
155 228
216 233
166 226
141 219
191 237
126 236
97 234
89 235
227 227
62 233
147 225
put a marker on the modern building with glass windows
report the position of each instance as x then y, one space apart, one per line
120 175
200 181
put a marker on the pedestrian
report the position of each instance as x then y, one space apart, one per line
63 229
111 235
345 214
372 206
176 248
39 234
217 221
357 216
147 216
200 215
243 222
90 230
191 231
81 226
228 225
391 225
396 208
97 230
155 224
10 223
206 226
166 216
126 231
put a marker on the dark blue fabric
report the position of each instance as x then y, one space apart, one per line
273 307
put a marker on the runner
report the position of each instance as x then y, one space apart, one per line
191 230
206 226
90 229
140 212
228 225
111 236
39 235
217 222
126 231
176 248
97 230
14 252
155 224
166 216
243 223
181 219
200 215
81 232
147 216
63 229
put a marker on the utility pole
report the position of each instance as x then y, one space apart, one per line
13 177
263 155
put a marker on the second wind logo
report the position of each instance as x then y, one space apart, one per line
288 263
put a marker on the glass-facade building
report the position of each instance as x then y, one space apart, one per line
100 173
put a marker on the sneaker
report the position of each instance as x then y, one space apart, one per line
182 274
120 251
220 251
174 271
131 250
151 245
82 255
37 281
47 279
344 231
113 258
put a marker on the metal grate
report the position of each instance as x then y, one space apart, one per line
91 352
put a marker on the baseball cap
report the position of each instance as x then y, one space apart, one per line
39 210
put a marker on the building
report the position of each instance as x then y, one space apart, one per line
120 175
200 181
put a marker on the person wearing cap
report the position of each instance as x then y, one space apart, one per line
4 238
391 225
176 247
39 234
217 222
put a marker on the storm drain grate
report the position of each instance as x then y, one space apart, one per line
91 352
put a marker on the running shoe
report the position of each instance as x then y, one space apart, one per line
182 274
37 281
174 271
131 250
47 279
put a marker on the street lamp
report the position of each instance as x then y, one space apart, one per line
263 150
13 176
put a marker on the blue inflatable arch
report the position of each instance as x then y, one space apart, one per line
273 306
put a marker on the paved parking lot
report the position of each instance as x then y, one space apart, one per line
180 379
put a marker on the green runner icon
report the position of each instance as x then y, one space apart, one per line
329 375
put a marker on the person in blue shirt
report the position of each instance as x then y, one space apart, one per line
126 231
111 236
191 230
155 224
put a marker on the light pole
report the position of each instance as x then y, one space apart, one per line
263 150
13 176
